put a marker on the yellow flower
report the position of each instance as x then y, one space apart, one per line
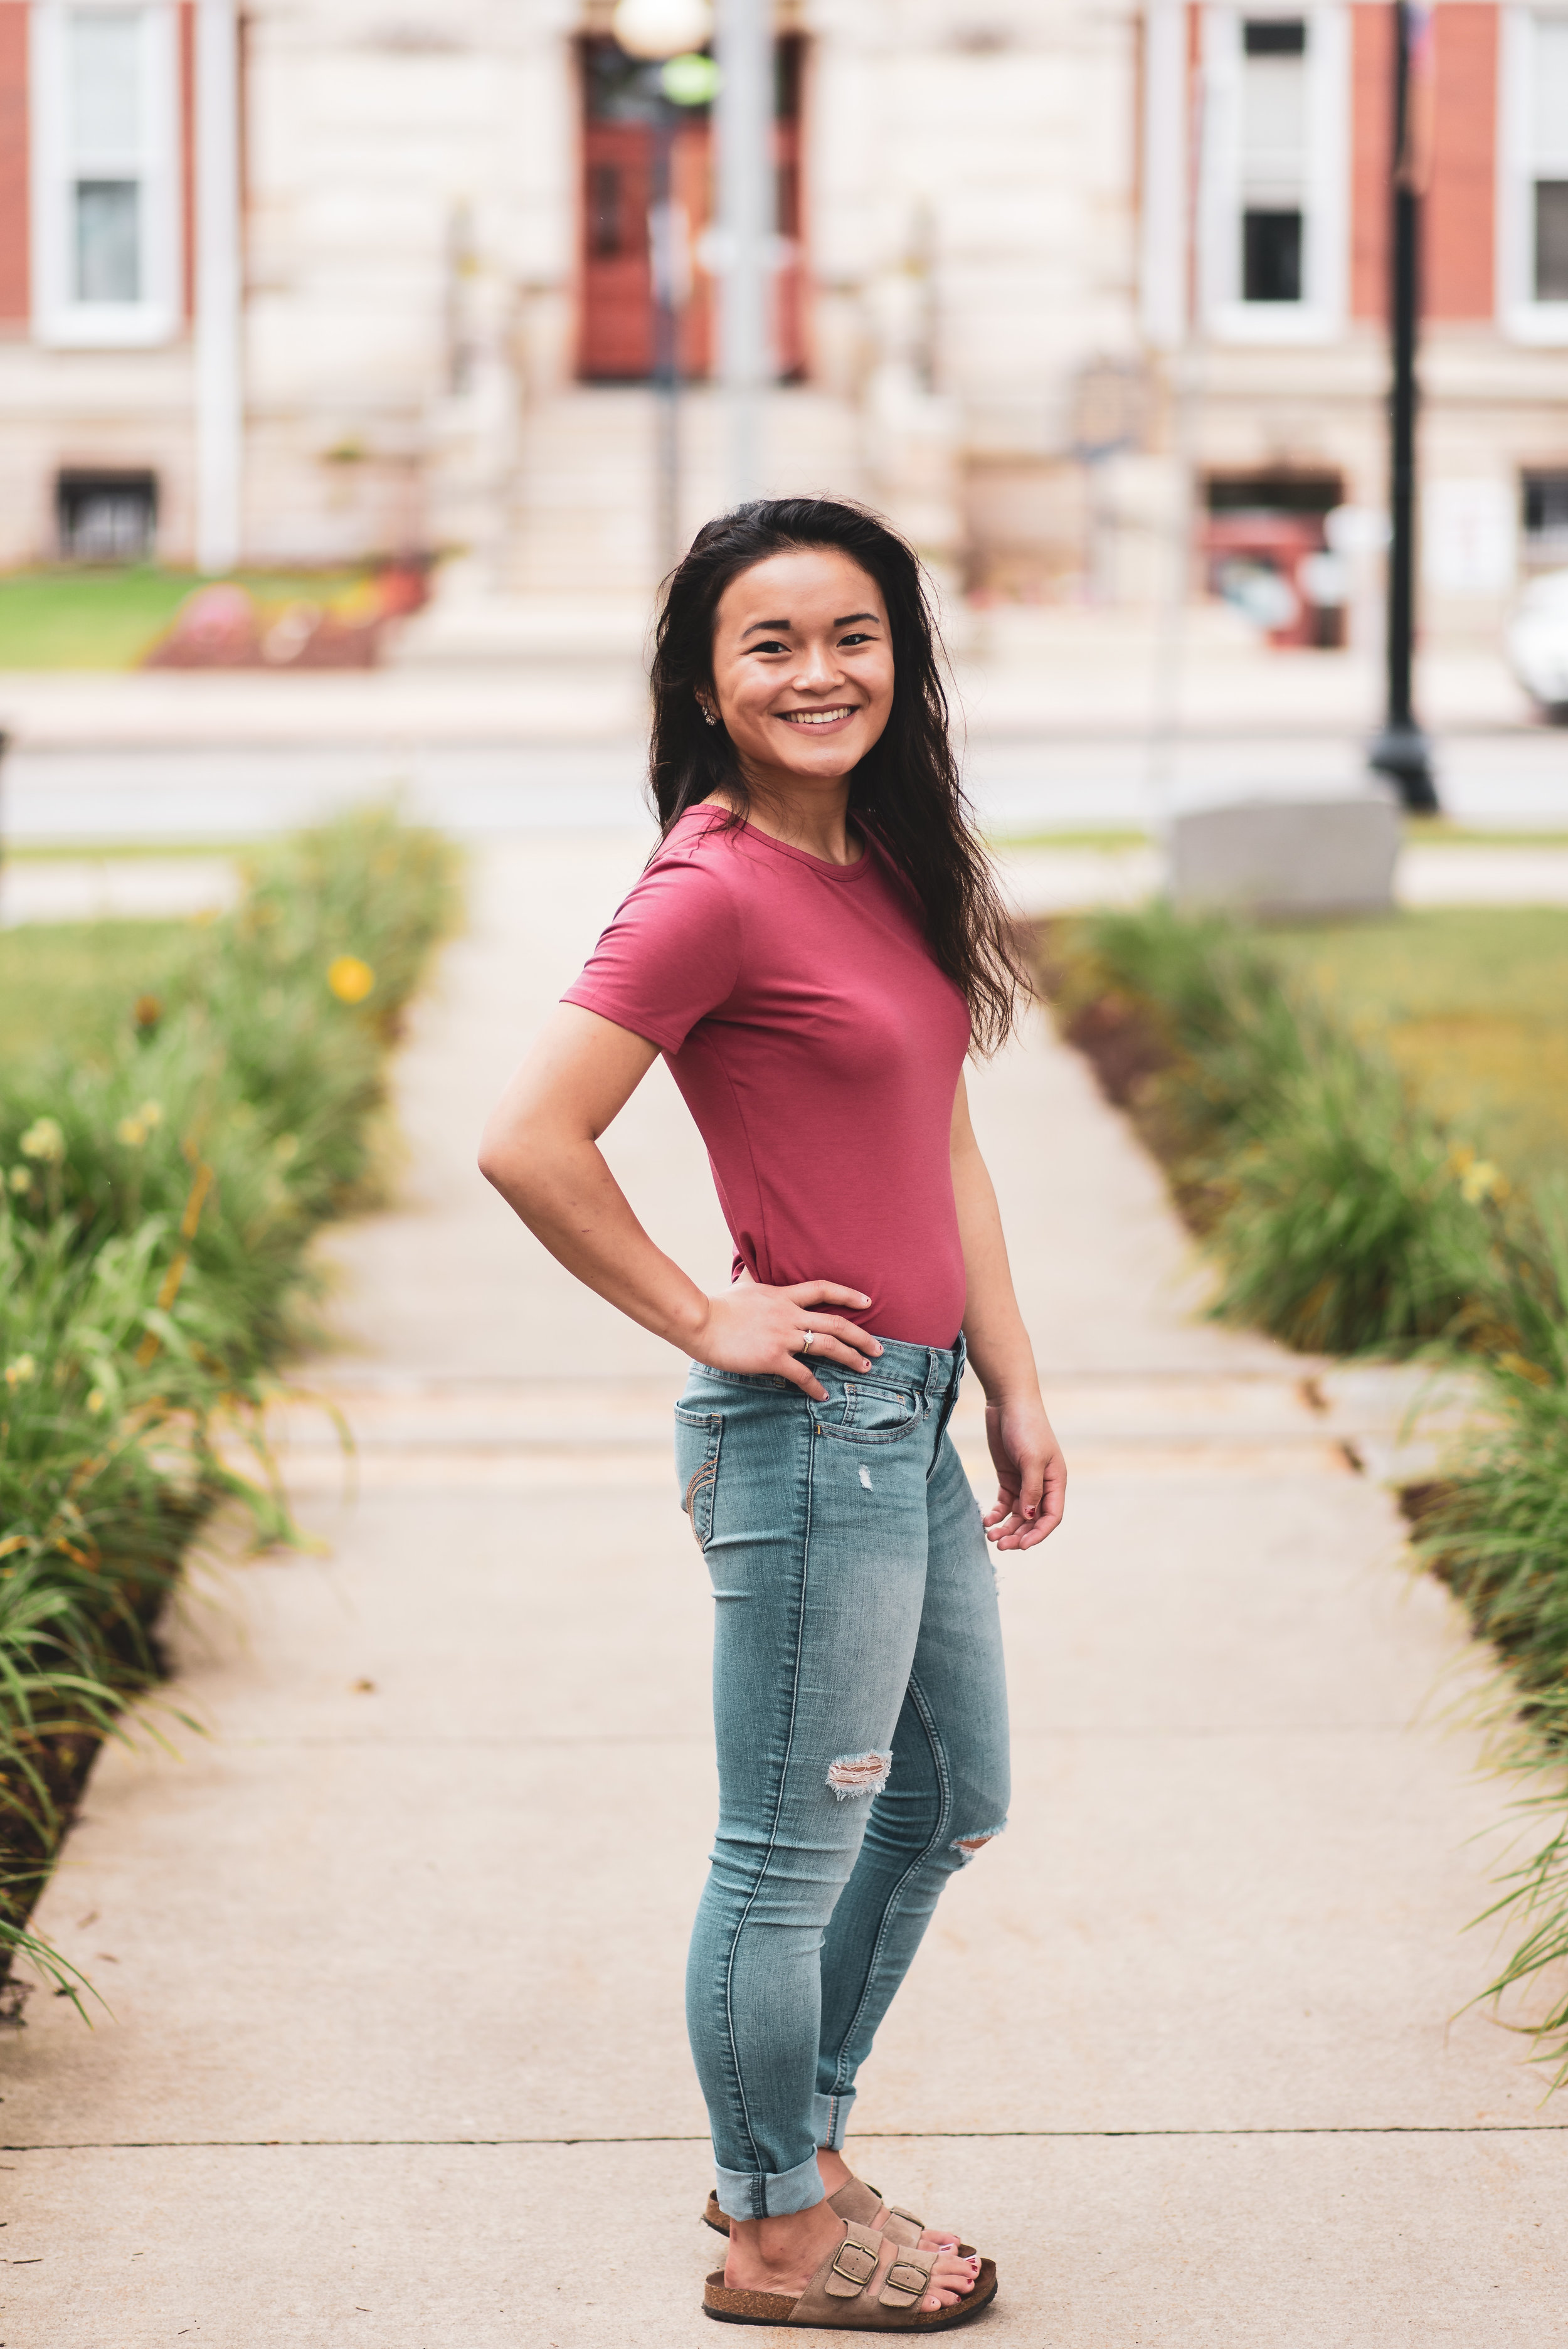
44 1140
20 1179
350 979
19 1372
133 1130
1482 1181
97 1401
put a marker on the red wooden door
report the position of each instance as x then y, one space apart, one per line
790 282
617 311
616 335
616 342
691 186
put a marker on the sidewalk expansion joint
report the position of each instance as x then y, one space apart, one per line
965 2137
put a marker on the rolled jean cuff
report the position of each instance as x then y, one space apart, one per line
758 2193
831 2117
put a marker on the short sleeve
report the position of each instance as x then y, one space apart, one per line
671 956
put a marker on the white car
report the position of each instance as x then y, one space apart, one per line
1538 643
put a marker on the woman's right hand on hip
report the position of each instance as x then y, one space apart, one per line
758 1329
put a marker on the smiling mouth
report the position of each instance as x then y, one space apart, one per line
816 716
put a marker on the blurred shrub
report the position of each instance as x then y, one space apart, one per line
158 1202
1343 1217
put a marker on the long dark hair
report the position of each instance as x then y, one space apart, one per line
906 792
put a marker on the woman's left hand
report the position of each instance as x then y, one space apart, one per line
1031 1475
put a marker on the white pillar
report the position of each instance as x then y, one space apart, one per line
1163 257
220 434
747 223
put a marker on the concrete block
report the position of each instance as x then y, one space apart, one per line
1278 858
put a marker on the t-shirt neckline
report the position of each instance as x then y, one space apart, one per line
819 864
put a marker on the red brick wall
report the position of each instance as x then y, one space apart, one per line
1371 107
1460 202
1460 223
15 302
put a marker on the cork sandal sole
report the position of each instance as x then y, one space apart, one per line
728 2307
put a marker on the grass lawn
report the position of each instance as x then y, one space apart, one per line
76 983
109 619
1473 1001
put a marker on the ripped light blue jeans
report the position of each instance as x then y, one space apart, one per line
862 1720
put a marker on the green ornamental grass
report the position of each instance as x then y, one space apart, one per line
1345 1217
159 1189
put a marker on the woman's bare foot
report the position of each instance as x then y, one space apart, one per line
836 2172
782 2255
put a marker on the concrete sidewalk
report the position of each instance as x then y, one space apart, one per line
44 888
582 679
395 1954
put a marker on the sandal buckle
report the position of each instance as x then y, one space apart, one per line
904 2284
856 2263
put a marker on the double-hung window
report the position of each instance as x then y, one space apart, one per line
1533 154
1274 163
106 205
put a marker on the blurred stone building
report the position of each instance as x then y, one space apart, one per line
1058 282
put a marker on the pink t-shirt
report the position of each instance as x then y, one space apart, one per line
819 1048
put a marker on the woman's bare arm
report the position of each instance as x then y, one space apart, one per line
1031 1473
541 1150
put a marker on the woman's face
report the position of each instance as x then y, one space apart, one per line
802 667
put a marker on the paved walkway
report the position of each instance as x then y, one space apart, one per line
394 1955
1058 709
53 888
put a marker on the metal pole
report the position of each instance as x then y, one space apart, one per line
666 264
747 214
1401 749
219 392
1173 167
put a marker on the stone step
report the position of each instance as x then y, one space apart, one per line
582 517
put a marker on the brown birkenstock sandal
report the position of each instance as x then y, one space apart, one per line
870 2284
860 2203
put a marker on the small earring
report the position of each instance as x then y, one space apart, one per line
711 714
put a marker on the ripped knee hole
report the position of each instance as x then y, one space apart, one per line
969 1847
859 1774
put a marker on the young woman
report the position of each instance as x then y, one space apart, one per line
814 947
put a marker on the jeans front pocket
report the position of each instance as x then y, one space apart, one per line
697 1435
873 1414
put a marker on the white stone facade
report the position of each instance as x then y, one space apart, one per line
996 195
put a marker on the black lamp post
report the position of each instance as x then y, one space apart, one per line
1401 749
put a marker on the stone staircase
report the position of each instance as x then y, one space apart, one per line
582 517
568 583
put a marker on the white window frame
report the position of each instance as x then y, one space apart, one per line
1519 314
58 318
1319 316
